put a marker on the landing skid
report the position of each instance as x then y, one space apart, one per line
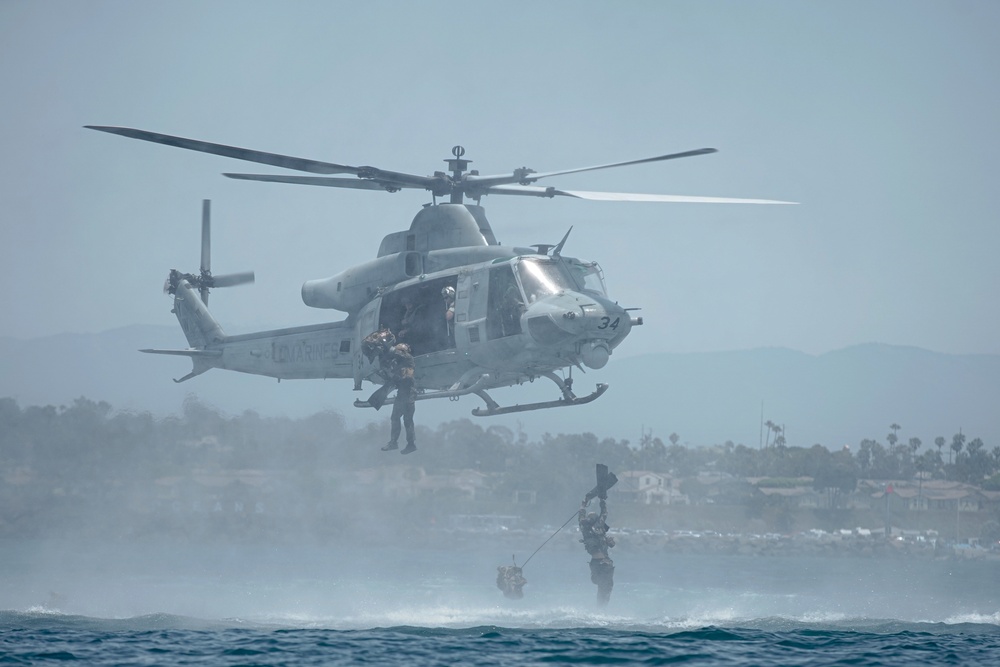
492 408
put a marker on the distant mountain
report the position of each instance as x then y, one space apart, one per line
833 399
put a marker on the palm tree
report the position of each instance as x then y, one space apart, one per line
770 427
892 438
979 463
957 441
779 432
939 443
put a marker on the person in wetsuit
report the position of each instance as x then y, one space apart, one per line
398 362
511 581
595 538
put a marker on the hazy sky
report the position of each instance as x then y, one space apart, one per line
879 117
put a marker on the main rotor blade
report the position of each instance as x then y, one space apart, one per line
528 176
672 156
354 183
678 199
538 191
273 159
232 279
206 236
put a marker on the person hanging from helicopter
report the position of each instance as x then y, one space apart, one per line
594 535
396 367
399 363
448 294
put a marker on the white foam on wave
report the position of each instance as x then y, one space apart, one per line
455 617
819 617
43 610
528 614
985 619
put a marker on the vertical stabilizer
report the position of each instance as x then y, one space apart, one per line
200 328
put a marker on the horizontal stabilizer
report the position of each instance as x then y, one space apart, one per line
201 360
186 353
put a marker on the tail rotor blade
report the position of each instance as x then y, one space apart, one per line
232 279
206 236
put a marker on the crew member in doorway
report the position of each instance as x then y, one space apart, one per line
410 322
448 293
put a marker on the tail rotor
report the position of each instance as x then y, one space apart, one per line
205 281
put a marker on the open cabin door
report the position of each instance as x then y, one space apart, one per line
416 315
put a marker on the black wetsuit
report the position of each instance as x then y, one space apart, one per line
399 364
511 581
597 542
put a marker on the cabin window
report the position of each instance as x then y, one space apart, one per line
345 346
504 304
412 264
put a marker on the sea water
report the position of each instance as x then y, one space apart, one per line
295 604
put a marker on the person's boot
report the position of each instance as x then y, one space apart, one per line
410 448
391 446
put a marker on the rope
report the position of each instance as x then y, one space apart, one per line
572 516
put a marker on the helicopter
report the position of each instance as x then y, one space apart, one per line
477 315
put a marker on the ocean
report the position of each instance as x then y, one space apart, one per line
297 604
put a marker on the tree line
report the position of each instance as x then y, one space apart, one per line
89 441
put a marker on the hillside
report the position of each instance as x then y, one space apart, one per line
833 399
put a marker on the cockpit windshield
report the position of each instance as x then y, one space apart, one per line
542 278
588 275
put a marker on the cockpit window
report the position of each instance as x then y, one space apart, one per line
589 276
542 278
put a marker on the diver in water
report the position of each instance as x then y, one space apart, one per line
511 581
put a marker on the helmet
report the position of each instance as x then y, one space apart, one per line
592 516
448 292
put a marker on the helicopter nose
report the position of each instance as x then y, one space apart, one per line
595 326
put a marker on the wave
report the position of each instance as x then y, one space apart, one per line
472 620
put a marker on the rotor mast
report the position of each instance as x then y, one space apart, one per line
457 166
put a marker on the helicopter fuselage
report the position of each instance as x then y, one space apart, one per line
515 314
540 328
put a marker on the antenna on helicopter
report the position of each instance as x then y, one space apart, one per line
204 281
544 248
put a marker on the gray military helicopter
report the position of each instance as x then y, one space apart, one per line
477 315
